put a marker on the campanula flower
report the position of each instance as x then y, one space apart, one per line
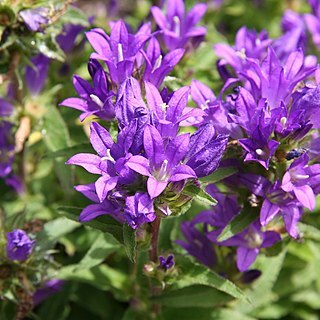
19 245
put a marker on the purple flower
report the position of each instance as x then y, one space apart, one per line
94 100
166 263
139 210
205 150
297 181
249 243
110 161
67 38
36 75
6 108
19 245
157 65
178 27
119 50
197 244
35 19
162 165
6 149
49 288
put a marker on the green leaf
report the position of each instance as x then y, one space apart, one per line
56 137
309 232
70 151
103 223
130 244
104 245
238 223
102 277
219 175
53 230
194 274
198 193
193 296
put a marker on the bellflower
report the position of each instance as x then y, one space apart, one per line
119 50
109 161
94 100
139 210
205 150
162 164
37 73
19 245
157 65
6 108
6 148
166 263
297 181
169 115
35 19
249 242
179 27
47 290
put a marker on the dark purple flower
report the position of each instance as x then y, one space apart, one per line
157 65
36 18
94 100
162 165
166 263
6 149
205 150
49 288
139 210
37 73
19 245
67 38
119 50
6 108
177 26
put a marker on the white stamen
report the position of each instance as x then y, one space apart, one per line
258 42
259 152
157 64
108 157
301 176
163 170
254 239
176 21
120 52
163 106
242 53
205 105
283 121
96 100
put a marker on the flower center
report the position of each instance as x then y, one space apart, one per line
157 64
108 157
254 239
96 100
162 173
120 52
177 25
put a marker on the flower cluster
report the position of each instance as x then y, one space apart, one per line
272 119
150 161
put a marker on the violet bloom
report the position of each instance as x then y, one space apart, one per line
110 161
297 181
109 206
248 44
139 210
94 100
162 165
119 50
179 27
197 244
171 114
6 108
19 245
205 150
166 263
36 18
157 65
67 38
249 243
47 290
36 74
6 149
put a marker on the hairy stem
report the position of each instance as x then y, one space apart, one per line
155 227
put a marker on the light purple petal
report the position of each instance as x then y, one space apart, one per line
88 161
246 257
268 212
155 187
182 172
306 196
100 139
139 164
105 184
